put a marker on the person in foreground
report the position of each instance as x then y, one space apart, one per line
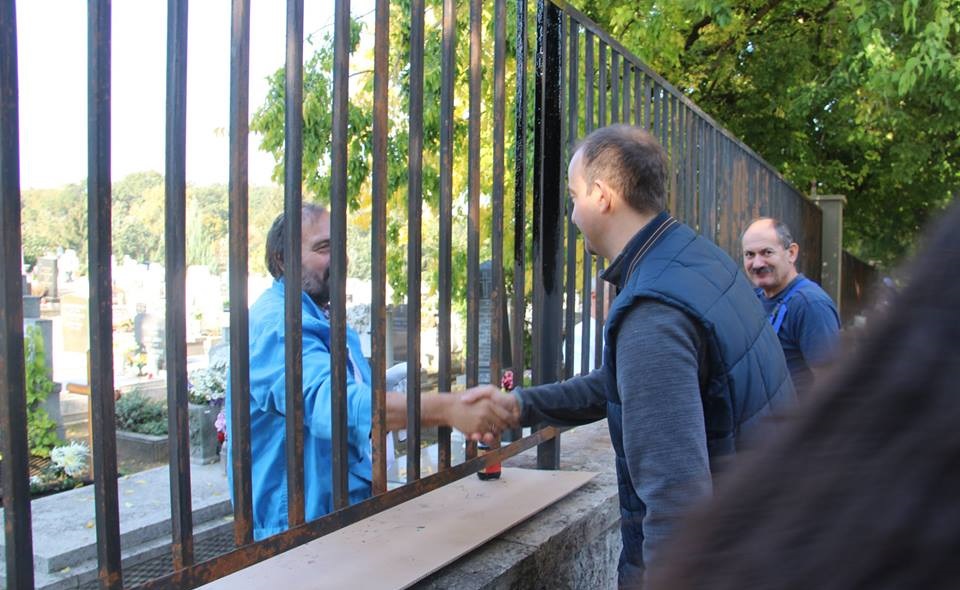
478 418
860 489
801 313
681 382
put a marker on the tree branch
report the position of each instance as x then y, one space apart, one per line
754 21
695 31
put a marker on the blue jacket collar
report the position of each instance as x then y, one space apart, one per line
622 266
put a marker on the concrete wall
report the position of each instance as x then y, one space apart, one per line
574 543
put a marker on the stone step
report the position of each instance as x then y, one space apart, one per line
64 531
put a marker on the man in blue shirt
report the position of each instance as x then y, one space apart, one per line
267 390
801 313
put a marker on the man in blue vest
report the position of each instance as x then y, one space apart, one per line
691 367
801 313
477 417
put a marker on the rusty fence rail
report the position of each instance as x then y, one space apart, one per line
579 79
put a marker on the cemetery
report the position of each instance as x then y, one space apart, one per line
56 324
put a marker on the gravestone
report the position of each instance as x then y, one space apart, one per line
31 318
485 351
396 334
45 276
75 322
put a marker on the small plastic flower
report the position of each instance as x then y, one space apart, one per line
71 458
506 382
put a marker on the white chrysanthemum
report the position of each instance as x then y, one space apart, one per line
71 458
209 385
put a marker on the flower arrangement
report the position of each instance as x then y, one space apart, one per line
221 426
209 386
72 458
506 382
67 468
137 357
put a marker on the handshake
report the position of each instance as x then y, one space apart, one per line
482 412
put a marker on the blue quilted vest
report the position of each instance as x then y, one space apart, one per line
747 375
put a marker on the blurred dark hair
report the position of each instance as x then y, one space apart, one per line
862 487
273 256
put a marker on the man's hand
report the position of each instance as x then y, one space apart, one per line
507 405
481 413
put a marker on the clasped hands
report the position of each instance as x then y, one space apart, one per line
482 412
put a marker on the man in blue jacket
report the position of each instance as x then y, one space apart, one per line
690 364
267 390
801 313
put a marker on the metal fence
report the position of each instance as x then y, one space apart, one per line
582 79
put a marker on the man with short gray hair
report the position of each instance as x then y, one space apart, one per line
801 313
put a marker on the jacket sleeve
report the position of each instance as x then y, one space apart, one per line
664 437
573 402
316 385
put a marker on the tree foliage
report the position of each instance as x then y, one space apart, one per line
861 97
269 119
57 218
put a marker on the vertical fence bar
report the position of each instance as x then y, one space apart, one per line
587 289
598 282
473 207
573 109
625 99
648 93
18 536
445 271
518 306
665 125
414 249
614 86
548 208
588 81
292 275
676 160
378 243
639 98
176 258
473 199
499 132
693 152
239 238
338 251
602 87
99 220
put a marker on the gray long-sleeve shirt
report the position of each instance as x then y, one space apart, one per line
661 368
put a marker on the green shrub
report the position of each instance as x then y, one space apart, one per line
41 429
138 413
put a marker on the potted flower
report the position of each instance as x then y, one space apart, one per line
208 387
67 469
137 357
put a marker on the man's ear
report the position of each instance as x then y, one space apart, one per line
604 196
792 252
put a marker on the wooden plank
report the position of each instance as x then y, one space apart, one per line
398 547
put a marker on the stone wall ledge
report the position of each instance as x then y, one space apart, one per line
574 543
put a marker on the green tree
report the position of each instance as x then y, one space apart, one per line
861 97
54 218
268 121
